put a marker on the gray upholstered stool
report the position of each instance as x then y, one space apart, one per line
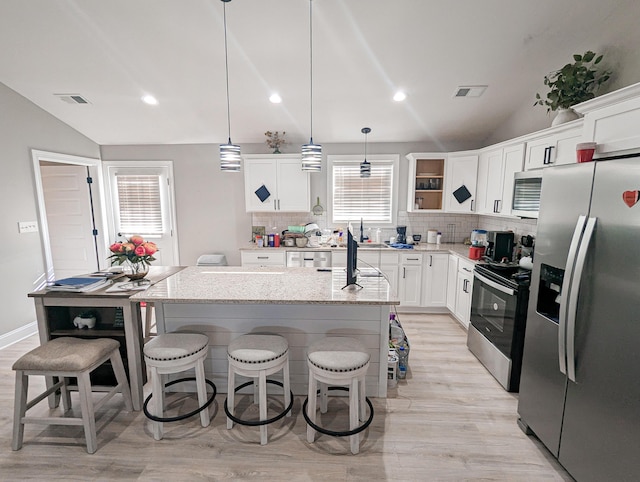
336 362
257 356
64 358
174 353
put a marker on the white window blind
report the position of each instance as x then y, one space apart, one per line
139 204
369 198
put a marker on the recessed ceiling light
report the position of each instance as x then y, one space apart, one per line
399 96
275 99
149 99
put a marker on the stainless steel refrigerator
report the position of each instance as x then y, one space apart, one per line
580 383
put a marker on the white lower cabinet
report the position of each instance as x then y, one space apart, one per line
434 280
410 279
452 282
464 289
268 257
385 261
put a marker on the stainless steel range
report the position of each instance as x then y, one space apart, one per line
498 319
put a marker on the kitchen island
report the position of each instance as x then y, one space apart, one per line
301 304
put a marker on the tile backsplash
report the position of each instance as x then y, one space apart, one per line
454 227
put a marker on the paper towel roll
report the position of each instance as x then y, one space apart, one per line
526 262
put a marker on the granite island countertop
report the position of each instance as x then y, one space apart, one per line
267 285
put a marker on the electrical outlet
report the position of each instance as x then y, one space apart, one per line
27 227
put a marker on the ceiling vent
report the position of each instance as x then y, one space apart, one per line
72 98
470 91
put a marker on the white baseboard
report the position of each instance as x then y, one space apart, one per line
18 334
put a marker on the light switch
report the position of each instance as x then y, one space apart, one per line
27 227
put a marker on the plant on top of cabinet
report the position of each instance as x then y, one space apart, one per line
275 140
574 83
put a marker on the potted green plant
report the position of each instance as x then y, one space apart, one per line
574 83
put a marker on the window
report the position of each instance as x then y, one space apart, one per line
139 206
371 199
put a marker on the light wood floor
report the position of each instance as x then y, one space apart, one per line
450 420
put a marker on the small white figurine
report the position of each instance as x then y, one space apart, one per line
84 319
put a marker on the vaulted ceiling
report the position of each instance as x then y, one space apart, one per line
112 52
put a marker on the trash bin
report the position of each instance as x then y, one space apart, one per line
215 259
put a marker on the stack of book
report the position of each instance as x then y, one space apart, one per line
79 284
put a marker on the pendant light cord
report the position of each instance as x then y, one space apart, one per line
226 65
311 66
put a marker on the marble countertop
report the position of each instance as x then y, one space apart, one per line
267 285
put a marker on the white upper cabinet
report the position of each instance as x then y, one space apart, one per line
554 146
426 182
612 120
460 183
513 159
276 182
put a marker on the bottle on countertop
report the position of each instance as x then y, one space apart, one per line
259 241
438 237
378 236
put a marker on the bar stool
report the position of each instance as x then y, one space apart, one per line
174 353
64 358
258 356
338 363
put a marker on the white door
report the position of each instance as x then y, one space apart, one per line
260 185
435 279
293 186
69 218
513 160
142 202
462 175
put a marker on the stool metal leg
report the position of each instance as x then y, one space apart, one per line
88 415
354 404
262 394
311 408
19 409
202 392
231 385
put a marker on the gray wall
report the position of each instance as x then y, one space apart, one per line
620 56
210 204
24 126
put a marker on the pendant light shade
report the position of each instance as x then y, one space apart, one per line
365 166
311 153
230 158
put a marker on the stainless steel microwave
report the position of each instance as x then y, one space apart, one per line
527 186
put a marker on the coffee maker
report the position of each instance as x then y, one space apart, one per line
500 245
401 238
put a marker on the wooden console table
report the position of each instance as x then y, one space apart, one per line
118 318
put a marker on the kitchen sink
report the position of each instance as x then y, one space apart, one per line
372 245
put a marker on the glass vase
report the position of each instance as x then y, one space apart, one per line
136 271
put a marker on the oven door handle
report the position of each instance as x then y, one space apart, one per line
493 284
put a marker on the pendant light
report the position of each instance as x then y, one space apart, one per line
365 166
311 153
230 159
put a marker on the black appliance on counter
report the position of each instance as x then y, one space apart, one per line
401 237
498 319
500 245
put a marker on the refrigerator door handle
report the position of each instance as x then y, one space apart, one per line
573 300
564 296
